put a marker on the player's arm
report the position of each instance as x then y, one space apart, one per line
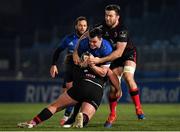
100 70
121 43
54 69
120 46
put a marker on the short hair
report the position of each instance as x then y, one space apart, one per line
113 7
81 18
95 32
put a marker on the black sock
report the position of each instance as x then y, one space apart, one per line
85 119
112 99
42 116
133 93
74 114
76 110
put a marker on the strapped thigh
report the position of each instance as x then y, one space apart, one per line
129 69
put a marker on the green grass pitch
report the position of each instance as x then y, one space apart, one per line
159 117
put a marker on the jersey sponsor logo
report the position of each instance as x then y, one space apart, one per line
90 75
71 43
85 70
123 34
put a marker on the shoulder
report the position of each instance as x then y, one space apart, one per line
106 43
72 36
84 42
106 46
99 25
122 28
122 31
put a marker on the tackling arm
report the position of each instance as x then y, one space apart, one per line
115 54
76 57
100 70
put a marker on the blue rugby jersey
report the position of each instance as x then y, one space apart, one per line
103 51
87 73
69 42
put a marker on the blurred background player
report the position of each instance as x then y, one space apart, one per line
88 86
123 59
69 42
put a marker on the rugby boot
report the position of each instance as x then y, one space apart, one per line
26 125
79 120
140 113
110 120
63 120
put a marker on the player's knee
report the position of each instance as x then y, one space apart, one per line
53 108
112 89
120 94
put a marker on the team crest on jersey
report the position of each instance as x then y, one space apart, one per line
123 34
71 43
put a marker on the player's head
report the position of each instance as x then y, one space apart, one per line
81 25
95 38
112 15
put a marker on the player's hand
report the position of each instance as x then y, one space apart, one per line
53 71
94 60
84 61
76 58
90 63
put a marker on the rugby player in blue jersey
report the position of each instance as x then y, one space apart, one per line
87 87
68 42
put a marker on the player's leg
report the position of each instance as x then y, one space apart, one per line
68 79
63 100
85 114
68 109
128 76
113 100
91 99
66 113
76 77
71 119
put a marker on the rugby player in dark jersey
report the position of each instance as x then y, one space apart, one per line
68 42
87 87
123 59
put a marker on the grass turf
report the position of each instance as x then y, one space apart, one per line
159 117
